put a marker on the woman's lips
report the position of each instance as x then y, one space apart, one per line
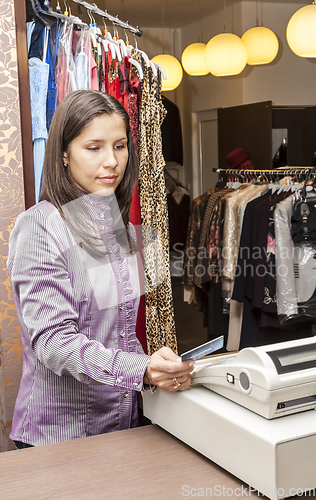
108 180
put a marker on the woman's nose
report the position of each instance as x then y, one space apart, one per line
109 160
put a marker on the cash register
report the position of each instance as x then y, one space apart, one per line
237 423
273 380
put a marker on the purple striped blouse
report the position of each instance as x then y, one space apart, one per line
82 362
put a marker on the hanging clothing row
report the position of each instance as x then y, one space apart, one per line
68 55
238 257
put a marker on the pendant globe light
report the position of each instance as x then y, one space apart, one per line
193 59
262 45
170 64
301 31
226 54
173 70
193 56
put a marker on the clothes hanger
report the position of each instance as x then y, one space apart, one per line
96 31
122 47
92 32
106 44
162 71
113 44
67 11
119 41
127 50
45 44
149 63
138 67
43 22
48 18
174 180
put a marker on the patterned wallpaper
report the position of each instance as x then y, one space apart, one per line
11 204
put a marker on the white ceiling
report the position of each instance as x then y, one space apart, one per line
168 13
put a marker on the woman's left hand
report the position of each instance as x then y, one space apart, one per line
166 371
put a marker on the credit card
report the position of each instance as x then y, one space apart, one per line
204 349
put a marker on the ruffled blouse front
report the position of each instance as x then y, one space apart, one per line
82 361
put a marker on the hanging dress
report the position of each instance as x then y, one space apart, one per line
65 68
52 85
160 323
38 75
81 47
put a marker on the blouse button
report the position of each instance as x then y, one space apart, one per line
121 307
118 279
101 226
101 216
119 380
125 394
122 333
136 382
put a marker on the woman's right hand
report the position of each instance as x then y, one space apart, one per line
166 371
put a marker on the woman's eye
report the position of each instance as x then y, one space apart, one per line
120 146
93 148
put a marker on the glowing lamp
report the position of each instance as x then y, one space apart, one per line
262 45
226 55
193 60
301 32
173 70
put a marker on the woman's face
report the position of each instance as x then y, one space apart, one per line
98 156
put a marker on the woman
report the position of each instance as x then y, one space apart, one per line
75 279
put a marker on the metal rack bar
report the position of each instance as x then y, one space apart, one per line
283 170
104 13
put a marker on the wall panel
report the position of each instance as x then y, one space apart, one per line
11 204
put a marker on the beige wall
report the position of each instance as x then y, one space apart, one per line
289 80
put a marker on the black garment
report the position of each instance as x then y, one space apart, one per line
262 222
217 321
171 133
253 336
179 215
243 284
36 41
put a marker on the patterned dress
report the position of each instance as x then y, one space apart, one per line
160 324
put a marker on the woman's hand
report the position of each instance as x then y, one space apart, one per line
166 371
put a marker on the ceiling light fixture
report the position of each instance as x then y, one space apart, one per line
262 45
170 64
193 59
226 54
193 56
173 70
301 31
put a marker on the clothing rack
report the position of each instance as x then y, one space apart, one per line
104 13
282 170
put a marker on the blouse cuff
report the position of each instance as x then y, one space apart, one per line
132 370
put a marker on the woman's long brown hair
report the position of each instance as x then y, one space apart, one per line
71 116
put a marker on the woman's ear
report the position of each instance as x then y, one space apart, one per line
65 160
